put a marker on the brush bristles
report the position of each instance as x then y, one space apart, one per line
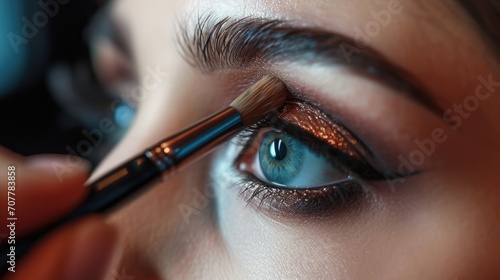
261 99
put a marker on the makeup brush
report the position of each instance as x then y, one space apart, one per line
260 100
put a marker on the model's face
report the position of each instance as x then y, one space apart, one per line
421 198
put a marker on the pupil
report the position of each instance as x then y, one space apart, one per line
278 149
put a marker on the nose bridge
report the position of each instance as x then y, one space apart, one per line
163 223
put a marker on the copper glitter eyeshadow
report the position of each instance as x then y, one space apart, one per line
317 123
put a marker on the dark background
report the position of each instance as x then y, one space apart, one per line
31 119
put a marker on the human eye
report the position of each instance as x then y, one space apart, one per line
282 160
304 161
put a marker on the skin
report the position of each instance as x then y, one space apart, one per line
440 224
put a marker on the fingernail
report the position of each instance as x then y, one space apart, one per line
60 166
47 161
92 250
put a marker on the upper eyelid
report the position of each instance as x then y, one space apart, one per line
358 150
217 44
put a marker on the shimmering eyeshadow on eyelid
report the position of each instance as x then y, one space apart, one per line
321 126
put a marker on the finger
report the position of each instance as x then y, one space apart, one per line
39 193
82 250
8 156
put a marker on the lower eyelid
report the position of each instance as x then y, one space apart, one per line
317 202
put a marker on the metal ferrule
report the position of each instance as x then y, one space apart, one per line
199 139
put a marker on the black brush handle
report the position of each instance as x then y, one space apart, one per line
136 175
114 188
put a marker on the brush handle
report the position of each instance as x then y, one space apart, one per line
137 174
112 189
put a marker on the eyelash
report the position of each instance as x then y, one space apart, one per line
301 200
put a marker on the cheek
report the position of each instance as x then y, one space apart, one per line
445 225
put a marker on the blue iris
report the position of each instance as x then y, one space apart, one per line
281 157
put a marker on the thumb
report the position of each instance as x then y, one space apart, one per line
36 192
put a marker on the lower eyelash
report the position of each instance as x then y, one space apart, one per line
332 198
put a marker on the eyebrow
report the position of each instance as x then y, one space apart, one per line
213 45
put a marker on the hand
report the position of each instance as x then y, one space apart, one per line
80 250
